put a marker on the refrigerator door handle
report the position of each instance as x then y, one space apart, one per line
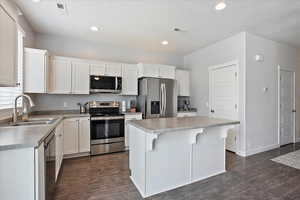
164 99
161 100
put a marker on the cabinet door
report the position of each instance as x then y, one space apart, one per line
71 136
129 117
8 50
35 71
84 135
129 79
80 78
98 69
60 76
113 69
59 147
166 71
148 70
183 81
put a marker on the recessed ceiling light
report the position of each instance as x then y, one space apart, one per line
221 5
94 28
36 1
165 42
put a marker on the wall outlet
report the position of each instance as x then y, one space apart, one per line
65 104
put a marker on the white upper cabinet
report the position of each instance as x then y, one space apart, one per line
80 78
69 76
106 69
129 79
8 50
166 71
183 81
113 69
98 69
60 76
35 71
148 70
156 71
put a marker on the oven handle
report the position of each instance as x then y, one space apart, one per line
106 118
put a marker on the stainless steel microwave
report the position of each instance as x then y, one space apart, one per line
105 84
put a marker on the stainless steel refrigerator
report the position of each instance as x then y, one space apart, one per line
157 97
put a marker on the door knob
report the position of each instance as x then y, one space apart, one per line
212 111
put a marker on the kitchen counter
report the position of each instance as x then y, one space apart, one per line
14 137
167 153
163 125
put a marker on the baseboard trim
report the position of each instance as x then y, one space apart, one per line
297 139
261 149
137 187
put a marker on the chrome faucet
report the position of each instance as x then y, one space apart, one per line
25 109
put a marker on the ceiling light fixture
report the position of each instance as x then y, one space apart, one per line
165 42
94 28
221 5
36 1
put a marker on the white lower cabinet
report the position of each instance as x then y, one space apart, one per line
59 134
84 135
22 174
76 135
128 117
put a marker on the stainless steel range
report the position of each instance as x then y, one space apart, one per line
107 127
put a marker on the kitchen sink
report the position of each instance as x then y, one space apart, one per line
31 122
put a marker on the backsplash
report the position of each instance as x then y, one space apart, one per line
69 102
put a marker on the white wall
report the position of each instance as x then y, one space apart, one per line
21 20
198 62
57 102
298 97
65 46
261 108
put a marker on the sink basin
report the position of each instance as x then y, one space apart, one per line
32 122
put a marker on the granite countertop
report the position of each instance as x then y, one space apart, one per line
163 125
32 135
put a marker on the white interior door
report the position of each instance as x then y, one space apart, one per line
224 98
287 103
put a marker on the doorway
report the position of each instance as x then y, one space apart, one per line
286 106
224 97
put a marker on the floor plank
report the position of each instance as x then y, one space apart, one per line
252 178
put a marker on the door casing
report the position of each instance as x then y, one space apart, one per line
279 102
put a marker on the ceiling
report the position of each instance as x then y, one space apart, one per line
143 24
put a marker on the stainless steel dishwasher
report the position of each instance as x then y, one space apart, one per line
50 158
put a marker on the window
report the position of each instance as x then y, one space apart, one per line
8 94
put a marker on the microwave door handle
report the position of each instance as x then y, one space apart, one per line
116 83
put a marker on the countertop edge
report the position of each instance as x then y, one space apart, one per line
161 131
51 127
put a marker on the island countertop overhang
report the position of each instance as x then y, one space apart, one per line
164 125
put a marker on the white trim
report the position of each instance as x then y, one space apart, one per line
224 65
278 100
260 149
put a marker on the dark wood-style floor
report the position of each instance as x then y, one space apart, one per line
254 178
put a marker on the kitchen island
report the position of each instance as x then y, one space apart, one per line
167 153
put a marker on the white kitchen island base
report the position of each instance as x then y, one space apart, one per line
163 161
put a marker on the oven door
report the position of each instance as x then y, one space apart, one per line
108 84
107 129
